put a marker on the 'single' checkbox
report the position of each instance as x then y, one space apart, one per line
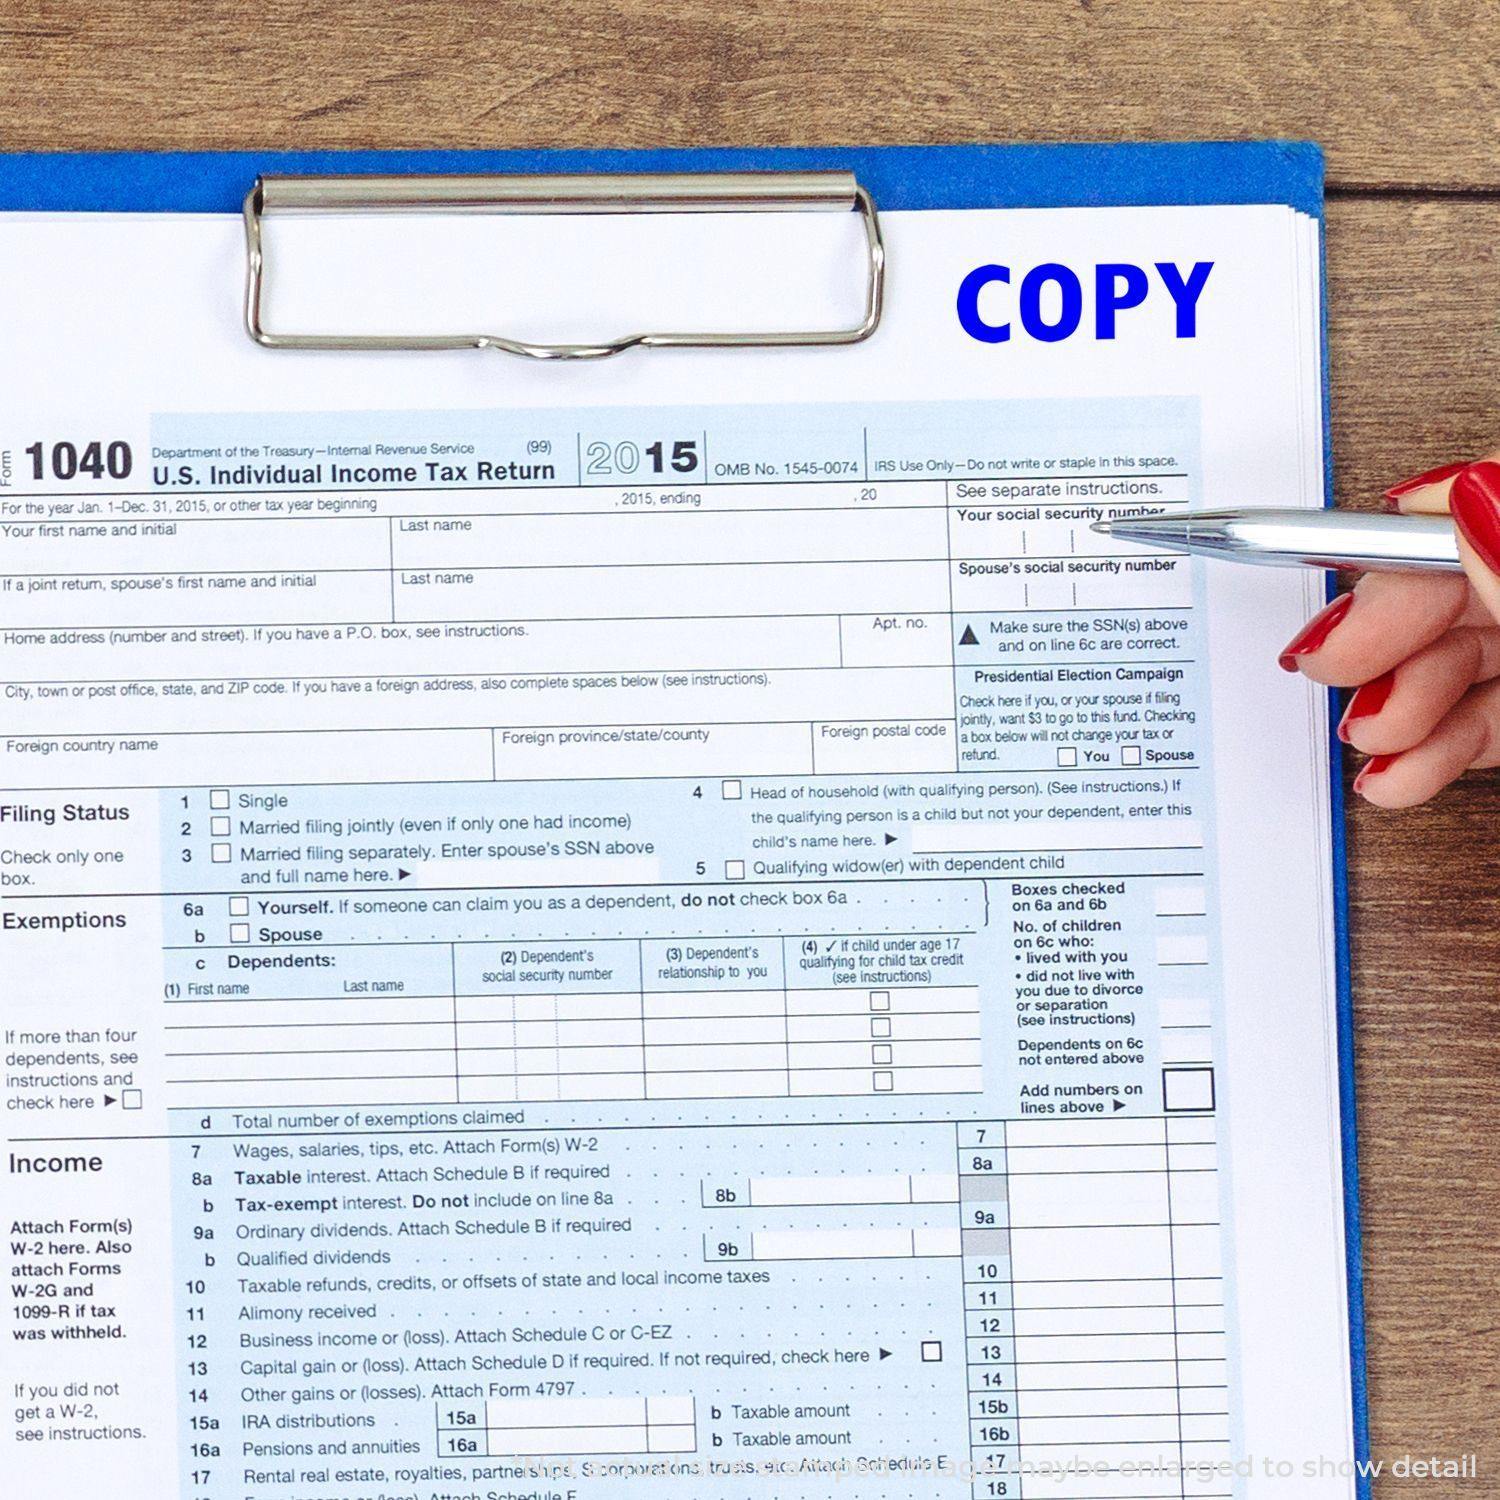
218 799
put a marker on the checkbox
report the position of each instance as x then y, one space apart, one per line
1187 1089
884 1082
1130 755
239 906
218 825
932 1351
731 791
1067 755
130 1098
880 1052
220 854
880 1025
239 932
734 869
880 1000
218 799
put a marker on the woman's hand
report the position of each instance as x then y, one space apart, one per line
1421 652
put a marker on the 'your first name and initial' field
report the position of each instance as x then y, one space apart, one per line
814 623
765 630
817 550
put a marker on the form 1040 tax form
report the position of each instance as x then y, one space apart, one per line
678 925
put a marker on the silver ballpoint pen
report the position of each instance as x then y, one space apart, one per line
1300 538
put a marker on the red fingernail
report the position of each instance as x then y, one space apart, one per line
1315 632
1367 699
1475 503
1418 481
1373 767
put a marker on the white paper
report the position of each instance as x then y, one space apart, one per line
538 955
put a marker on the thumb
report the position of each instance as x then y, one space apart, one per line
1474 500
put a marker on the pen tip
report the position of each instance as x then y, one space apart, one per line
1102 527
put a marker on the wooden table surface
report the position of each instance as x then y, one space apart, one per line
1405 97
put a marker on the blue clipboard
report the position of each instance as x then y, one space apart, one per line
898 177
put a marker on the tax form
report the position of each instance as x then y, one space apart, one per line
677 926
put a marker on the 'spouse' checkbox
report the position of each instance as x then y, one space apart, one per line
239 932
1130 755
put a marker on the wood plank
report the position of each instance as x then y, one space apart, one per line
1414 356
1398 92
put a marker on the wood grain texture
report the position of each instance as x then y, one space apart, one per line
1415 336
1404 96
1399 90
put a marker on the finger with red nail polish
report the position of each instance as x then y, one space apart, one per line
1377 765
1412 495
1315 632
1466 738
1366 701
1393 617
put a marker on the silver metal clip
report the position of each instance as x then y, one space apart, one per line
676 192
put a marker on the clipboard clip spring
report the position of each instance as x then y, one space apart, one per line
664 192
